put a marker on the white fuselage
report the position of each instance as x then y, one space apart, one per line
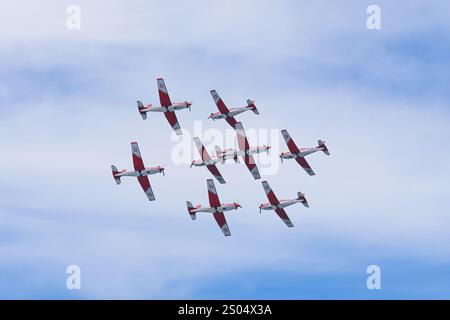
282 204
303 153
174 107
223 207
233 112
213 161
141 173
232 153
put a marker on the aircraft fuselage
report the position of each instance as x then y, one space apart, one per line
141 173
178 106
303 153
282 204
201 163
233 112
174 107
223 208
231 153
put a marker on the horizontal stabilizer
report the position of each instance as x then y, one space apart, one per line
114 172
251 103
141 110
190 208
301 197
323 147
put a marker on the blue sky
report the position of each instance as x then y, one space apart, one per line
379 99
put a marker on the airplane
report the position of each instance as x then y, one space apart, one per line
167 107
140 172
226 154
279 205
299 154
228 114
231 153
246 152
216 208
207 161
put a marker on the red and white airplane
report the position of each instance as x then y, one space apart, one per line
299 154
279 205
167 107
231 153
208 161
226 154
244 151
141 172
228 114
216 208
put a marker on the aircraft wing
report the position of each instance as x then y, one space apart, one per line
220 218
283 215
270 194
212 194
173 121
251 165
163 94
290 143
137 159
216 173
305 165
241 137
206 157
244 146
145 184
220 105
231 121
202 150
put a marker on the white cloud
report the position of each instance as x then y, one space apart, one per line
243 28
382 190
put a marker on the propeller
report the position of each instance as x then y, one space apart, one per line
163 169
267 150
189 104
192 163
281 158
260 208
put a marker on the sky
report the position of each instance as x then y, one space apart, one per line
379 98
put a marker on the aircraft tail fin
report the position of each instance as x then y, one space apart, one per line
301 197
114 173
141 110
190 207
252 106
220 154
218 151
323 147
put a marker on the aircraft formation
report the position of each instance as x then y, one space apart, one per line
245 152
